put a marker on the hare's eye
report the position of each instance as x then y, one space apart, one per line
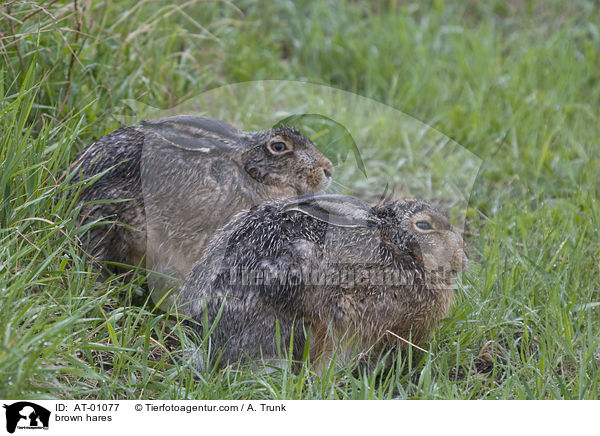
278 147
423 225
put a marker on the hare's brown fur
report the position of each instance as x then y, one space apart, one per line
346 271
172 182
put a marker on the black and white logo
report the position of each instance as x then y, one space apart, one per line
26 415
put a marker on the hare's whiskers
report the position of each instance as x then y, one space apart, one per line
340 186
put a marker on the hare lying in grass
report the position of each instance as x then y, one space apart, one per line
346 271
168 184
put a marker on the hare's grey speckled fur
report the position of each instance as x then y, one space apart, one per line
347 271
178 179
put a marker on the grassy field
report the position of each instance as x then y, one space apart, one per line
516 84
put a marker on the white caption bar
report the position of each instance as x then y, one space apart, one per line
28 417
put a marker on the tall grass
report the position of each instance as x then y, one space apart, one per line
516 83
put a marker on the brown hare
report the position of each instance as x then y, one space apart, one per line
165 186
333 265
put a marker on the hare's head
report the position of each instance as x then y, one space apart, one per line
284 158
426 233
412 231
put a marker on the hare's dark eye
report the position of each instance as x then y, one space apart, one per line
278 147
423 225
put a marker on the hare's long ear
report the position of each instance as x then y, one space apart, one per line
337 210
192 133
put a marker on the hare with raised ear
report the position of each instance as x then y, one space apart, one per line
165 186
346 271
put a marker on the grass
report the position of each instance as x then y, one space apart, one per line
516 84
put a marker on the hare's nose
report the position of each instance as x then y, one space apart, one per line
327 167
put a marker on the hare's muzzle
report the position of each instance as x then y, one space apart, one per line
460 260
327 168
